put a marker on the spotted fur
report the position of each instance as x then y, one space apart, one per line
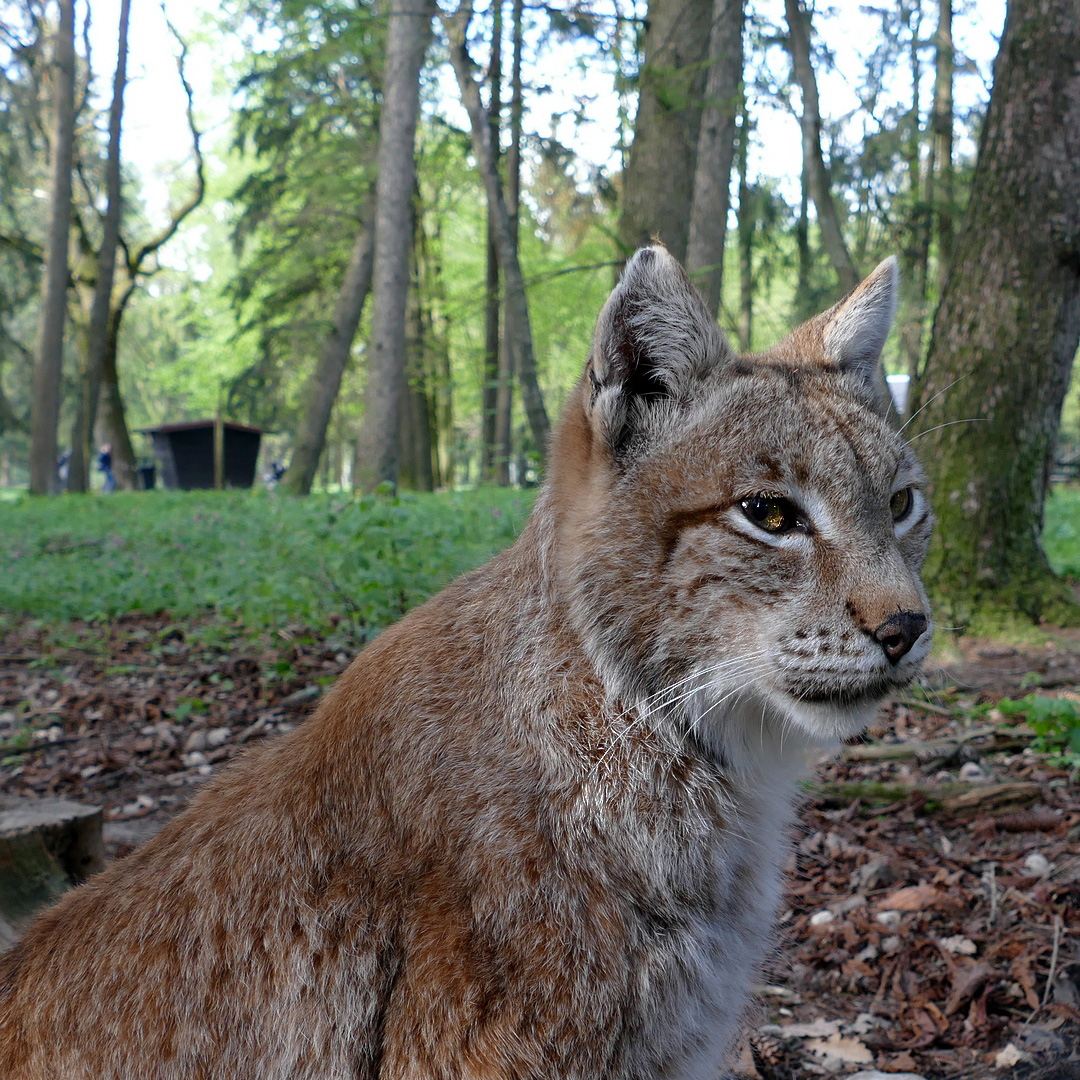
534 830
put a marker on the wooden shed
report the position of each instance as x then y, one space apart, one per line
187 453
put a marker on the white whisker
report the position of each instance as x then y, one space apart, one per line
938 427
933 399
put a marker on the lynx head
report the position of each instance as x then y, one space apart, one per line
739 537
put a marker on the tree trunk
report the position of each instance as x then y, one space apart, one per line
916 251
83 430
112 421
377 447
747 223
325 381
416 443
658 183
504 398
715 150
492 307
45 408
1007 330
940 178
832 237
520 340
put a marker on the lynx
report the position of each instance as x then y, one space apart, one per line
534 831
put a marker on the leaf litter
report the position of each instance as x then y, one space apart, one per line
931 927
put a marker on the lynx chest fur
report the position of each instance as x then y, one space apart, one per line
535 829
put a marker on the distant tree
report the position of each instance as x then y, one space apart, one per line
658 182
504 392
940 176
98 336
519 335
817 171
1006 333
715 151
45 414
325 380
377 451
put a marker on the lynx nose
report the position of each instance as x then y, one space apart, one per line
898 634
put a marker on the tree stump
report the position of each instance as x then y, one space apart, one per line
46 847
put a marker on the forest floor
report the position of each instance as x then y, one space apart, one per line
932 923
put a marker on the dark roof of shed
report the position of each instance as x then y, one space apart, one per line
191 425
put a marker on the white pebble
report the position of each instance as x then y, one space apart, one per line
822 918
1038 865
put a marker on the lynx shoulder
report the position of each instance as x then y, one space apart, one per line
535 829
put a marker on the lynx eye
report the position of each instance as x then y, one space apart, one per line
771 513
900 504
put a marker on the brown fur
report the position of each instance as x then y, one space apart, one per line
534 829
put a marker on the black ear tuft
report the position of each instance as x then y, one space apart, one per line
654 341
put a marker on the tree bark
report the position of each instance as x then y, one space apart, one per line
416 471
940 176
112 416
325 381
377 447
492 306
520 341
832 238
658 182
83 430
1007 330
747 224
504 397
715 151
45 408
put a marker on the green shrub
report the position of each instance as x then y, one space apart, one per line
1056 723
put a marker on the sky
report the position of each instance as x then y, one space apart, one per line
156 138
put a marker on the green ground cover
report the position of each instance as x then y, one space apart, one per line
1061 534
249 559
262 561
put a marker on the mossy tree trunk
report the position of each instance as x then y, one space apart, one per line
1006 333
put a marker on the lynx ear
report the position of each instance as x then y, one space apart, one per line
654 339
855 330
860 323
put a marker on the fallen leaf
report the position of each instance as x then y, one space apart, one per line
841 1048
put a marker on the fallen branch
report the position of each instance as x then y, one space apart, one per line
950 798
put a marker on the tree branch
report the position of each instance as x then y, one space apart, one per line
199 191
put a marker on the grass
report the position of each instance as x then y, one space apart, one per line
251 559
1061 533
262 561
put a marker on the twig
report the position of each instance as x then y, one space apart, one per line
926 706
989 876
1053 959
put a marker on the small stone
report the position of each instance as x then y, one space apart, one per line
1038 865
889 919
867 955
874 874
890 945
217 736
195 741
822 918
849 903
194 760
972 773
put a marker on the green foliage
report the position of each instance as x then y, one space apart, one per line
1056 723
1061 533
246 560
